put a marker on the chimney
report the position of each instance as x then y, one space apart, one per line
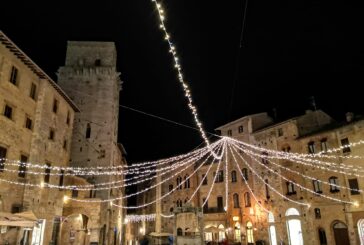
349 116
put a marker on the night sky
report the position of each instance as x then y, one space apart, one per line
291 50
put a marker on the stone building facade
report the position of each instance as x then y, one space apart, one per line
321 221
90 78
36 125
40 123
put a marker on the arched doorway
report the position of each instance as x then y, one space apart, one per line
294 228
74 229
221 232
237 232
361 231
249 233
341 233
272 229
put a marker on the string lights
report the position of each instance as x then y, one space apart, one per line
177 65
294 183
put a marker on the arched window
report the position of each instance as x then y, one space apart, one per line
187 182
245 174
88 131
179 232
179 182
249 233
322 236
236 200
272 229
247 199
294 229
233 176
334 182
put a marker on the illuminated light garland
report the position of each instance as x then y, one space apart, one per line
167 216
213 182
298 173
305 157
92 173
269 186
226 181
185 87
175 188
296 184
246 182
75 187
133 218
203 178
99 168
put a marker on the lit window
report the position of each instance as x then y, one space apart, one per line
324 145
290 188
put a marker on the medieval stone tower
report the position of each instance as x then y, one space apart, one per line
90 78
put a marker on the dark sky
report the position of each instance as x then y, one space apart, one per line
291 50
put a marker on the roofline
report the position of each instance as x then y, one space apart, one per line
11 46
235 121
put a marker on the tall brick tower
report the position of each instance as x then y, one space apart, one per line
90 78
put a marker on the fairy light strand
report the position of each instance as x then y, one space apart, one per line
177 65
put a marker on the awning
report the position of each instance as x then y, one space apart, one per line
24 219
211 229
162 234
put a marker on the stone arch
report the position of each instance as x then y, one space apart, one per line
75 228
